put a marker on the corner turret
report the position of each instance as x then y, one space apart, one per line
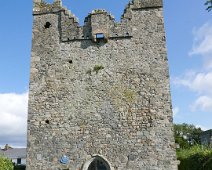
58 2
147 3
139 5
43 6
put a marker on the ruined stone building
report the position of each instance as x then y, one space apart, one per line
206 138
99 93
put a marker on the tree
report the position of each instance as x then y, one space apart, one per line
208 3
5 164
187 135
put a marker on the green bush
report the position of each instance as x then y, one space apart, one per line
186 135
195 158
5 164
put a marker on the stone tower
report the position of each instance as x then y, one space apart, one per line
99 93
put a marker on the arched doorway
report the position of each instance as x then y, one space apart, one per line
97 163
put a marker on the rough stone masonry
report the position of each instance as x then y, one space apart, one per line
99 93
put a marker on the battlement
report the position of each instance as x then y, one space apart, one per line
41 6
139 4
98 23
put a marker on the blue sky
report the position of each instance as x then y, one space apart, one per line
189 43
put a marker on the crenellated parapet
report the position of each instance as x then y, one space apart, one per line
41 6
98 25
140 4
69 25
147 3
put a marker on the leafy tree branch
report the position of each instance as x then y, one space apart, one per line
208 3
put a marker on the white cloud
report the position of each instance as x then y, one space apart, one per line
198 82
203 103
202 127
201 84
175 111
13 121
203 43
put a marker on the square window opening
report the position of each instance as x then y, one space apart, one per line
100 36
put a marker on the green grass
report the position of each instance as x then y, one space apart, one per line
195 158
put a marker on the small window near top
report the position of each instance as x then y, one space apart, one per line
100 36
47 25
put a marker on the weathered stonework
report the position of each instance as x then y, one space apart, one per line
206 138
100 100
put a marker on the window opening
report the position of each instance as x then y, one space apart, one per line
19 161
47 25
47 121
100 36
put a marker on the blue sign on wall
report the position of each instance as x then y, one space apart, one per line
64 159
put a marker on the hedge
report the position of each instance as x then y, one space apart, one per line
195 158
5 164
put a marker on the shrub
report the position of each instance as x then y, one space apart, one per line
5 164
97 68
195 158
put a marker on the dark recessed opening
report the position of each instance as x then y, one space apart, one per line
127 34
99 163
70 62
19 161
47 121
47 25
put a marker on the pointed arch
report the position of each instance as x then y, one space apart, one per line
97 161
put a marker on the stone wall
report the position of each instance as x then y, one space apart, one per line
206 138
100 99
